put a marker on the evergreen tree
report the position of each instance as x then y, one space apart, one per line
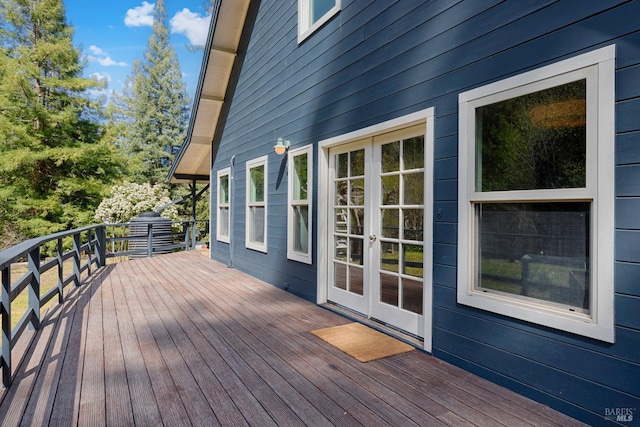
126 113
156 103
54 166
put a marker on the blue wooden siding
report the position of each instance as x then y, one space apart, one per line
375 61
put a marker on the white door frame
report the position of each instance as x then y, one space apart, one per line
425 116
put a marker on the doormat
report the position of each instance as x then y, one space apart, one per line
361 342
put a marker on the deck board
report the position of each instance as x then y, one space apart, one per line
92 397
119 410
143 402
182 340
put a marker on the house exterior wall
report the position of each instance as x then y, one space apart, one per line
375 61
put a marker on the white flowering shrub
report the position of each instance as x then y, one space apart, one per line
130 200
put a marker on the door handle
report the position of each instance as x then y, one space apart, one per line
373 238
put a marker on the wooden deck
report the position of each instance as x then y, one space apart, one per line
182 340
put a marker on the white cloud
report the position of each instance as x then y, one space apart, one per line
103 58
192 25
101 77
96 50
140 16
106 61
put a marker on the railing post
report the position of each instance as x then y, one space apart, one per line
5 312
60 271
194 234
150 239
76 258
34 287
186 237
101 235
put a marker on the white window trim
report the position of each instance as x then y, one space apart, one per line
292 254
260 161
304 30
599 68
222 237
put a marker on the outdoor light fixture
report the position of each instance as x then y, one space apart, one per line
281 147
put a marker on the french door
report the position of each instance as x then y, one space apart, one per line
376 227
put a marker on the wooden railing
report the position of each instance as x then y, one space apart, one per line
87 247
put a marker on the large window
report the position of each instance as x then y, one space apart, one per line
256 220
223 206
536 196
299 214
312 14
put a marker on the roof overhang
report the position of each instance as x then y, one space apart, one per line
193 161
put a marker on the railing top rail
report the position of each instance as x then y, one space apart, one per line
10 255
125 224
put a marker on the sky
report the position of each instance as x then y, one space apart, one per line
112 34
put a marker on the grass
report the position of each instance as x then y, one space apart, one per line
546 281
411 256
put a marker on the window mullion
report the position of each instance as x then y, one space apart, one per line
564 194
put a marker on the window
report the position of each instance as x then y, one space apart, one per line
256 222
312 14
536 165
223 217
299 214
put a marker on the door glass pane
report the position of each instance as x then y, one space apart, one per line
357 163
391 223
412 295
389 289
389 255
413 224
355 251
349 187
537 250
357 192
357 221
413 153
342 165
533 141
391 157
390 189
412 260
340 276
356 281
414 188
341 220
341 248
341 193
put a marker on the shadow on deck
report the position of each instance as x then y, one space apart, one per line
182 340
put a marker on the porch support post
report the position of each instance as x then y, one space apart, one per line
150 239
193 214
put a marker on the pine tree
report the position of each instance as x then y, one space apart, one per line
54 165
157 104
